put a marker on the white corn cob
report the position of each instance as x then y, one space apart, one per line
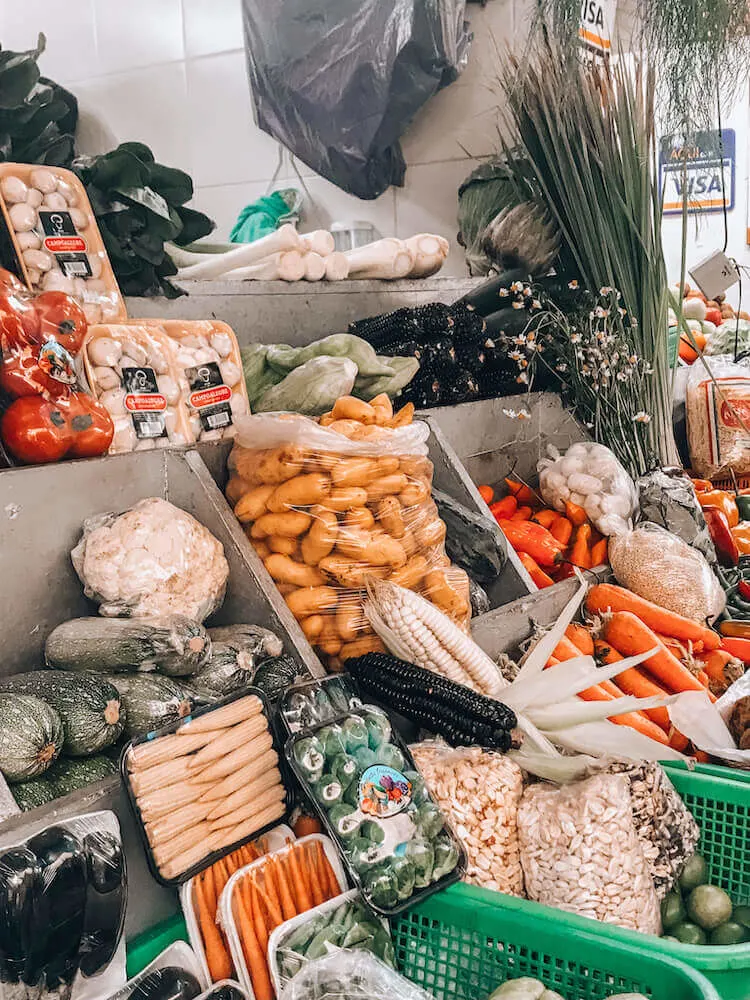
429 638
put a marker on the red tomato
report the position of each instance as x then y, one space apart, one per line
34 429
31 370
91 425
61 317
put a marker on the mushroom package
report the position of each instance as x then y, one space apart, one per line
53 241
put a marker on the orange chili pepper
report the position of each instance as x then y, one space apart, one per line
580 554
522 514
534 540
545 517
487 494
575 514
504 508
561 529
599 553
522 492
535 571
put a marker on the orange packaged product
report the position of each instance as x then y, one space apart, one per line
132 371
211 379
328 505
53 242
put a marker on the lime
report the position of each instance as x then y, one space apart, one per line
709 906
729 933
672 910
742 915
693 874
688 933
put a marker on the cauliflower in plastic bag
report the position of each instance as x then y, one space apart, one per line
589 475
149 561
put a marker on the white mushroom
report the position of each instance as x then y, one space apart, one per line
222 344
13 189
45 180
128 362
79 219
168 388
158 361
114 400
104 351
170 420
93 312
206 355
193 340
124 438
135 351
186 357
34 276
196 427
230 372
40 260
55 202
109 309
28 241
56 281
34 198
95 263
22 217
105 377
238 404
68 192
79 288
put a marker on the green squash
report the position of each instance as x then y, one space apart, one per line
31 736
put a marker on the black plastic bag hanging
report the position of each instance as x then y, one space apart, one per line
338 81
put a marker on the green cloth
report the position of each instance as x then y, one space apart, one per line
265 215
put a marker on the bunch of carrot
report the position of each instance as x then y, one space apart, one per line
629 626
288 882
548 543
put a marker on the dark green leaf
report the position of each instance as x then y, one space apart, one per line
69 121
173 185
147 197
16 82
150 246
138 149
195 225
118 169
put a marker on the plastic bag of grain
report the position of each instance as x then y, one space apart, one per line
580 852
718 417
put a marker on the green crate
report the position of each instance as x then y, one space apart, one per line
462 943
143 949
715 770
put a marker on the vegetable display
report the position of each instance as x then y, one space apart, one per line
206 786
699 913
366 790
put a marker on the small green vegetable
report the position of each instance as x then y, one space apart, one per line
672 910
345 820
687 933
365 757
339 345
422 855
373 831
344 768
742 915
381 887
328 791
308 753
709 906
390 756
446 857
331 739
727 933
429 820
405 875
378 729
693 874
355 734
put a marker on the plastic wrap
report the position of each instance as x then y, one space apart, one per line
718 417
324 511
48 417
53 239
364 785
670 501
237 651
343 922
352 974
342 82
316 702
589 475
662 568
173 975
581 852
479 791
151 561
62 897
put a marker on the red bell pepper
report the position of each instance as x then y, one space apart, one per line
737 647
721 536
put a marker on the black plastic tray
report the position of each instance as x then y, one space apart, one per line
167 731
448 879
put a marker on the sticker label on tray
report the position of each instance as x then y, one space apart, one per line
61 238
209 396
144 402
383 791
56 362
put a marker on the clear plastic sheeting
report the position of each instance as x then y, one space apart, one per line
338 81
354 975
62 907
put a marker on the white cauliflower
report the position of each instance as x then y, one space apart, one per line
153 560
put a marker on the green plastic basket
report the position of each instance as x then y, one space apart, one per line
715 770
143 949
462 943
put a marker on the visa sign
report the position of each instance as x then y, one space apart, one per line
701 170
597 24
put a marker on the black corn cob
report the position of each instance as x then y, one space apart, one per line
435 319
401 324
468 325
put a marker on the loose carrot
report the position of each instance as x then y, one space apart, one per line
599 553
580 636
535 571
520 491
575 514
701 757
561 529
288 906
299 885
217 959
545 517
565 650
635 682
222 875
522 514
635 720
257 964
486 493
608 597
631 636
704 678
580 554
231 861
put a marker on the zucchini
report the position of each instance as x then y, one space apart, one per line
69 774
31 736
274 676
151 701
230 669
255 639
33 793
90 709
176 646
472 541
